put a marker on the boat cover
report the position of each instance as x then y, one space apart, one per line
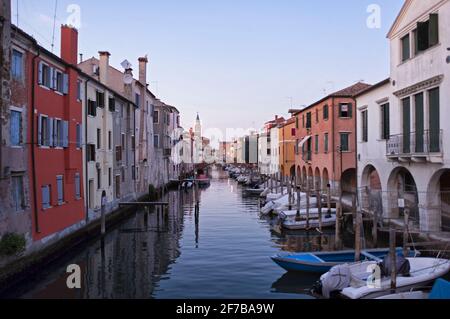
338 278
441 290
402 264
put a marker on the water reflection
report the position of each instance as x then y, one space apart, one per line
208 243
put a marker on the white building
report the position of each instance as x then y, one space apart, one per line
275 150
264 152
403 139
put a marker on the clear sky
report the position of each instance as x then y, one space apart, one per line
236 62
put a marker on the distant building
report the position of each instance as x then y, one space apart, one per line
287 140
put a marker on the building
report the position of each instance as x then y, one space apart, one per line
287 148
265 147
326 139
405 144
226 152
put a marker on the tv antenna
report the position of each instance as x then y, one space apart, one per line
54 25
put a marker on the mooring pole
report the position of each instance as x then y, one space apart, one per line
358 237
375 228
307 207
298 216
329 197
393 255
406 233
319 206
290 195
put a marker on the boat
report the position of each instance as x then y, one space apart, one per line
440 290
253 191
358 283
313 212
203 180
304 224
321 262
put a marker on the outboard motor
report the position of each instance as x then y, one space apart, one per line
338 278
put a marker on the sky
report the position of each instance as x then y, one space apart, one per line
237 63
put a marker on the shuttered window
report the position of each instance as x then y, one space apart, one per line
112 104
406 54
60 189
92 108
79 136
325 146
325 112
406 110
77 186
17 193
100 99
434 118
345 147
346 110
46 198
16 128
419 123
17 69
316 144
385 119
364 128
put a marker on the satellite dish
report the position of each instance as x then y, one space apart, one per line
128 78
126 64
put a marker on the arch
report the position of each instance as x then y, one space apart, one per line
317 179
310 179
304 176
371 179
292 172
371 190
348 181
299 176
438 199
401 188
325 179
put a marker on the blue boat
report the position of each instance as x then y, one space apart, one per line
321 262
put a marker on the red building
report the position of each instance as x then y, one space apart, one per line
326 139
55 135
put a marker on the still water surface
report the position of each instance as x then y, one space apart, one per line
226 254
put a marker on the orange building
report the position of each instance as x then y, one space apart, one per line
326 141
287 139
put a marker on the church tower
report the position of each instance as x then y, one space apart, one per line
198 127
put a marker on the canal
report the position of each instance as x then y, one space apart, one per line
224 254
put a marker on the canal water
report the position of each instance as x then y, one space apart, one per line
225 253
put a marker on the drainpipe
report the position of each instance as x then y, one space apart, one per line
355 114
86 178
33 144
333 148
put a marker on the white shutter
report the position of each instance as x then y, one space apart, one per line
45 197
50 132
77 186
39 130
65 136
65 83
53 78
59 183
40 74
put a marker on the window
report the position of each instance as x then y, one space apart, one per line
156 140
118 153
325 143
100 96
77 186
345 147
44 130
79 83
156 117
109 140
133 172
365 128
297 123
16 128
46 196
317 115
17 193
45 75
406 54
99 137
308 120
303 120
385 128
133 143
60 189
79 136
17 65
123 141
99 178
90 153
109 177
427 34
345 110
137 99
112 104
325 112
293 131
59 81
117 186
316 144
92 108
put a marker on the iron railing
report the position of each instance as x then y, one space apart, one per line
415 144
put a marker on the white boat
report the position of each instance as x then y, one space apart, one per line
292 224
285 204
440 290
423 271
313 213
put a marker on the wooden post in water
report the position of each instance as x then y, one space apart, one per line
375 229
298 216
319 206
338 223
307 206
354 212
329 197
393 255
358 236
406 233
282 183
290 194
271 183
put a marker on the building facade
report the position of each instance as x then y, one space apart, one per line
326 142
287 148
411 159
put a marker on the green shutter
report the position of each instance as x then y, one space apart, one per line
433 29
419 123
405 48
406 125
434 117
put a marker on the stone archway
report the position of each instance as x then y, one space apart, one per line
402 191
304 177
348 181
299 176
317 180
310 178
292 172
371 190
438 201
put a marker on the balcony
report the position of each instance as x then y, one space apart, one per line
417 147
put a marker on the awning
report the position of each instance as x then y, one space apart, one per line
303 141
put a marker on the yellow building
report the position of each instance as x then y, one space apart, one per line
287 147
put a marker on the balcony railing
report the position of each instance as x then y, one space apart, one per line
415 144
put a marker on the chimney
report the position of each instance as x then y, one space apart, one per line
69 44
104 66
143 70
276 118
